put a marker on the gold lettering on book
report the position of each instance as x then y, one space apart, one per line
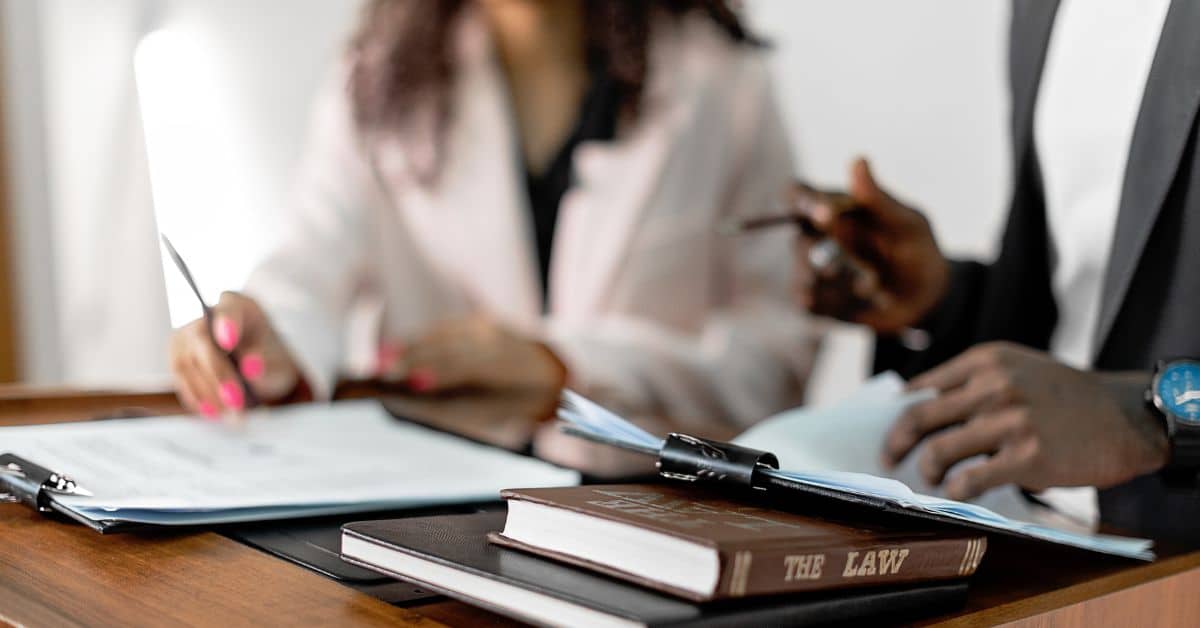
971 558
889 562
803 567
741 573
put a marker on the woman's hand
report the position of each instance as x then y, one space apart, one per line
204 378
474 352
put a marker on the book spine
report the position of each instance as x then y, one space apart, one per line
775 570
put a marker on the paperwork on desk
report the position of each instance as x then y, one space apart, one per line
837 447
296 461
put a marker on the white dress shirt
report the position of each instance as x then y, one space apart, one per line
1095 72
1096 67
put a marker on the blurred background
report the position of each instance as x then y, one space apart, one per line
126 117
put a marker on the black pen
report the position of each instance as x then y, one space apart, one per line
251 398
825 255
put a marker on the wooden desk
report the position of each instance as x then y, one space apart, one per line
54 573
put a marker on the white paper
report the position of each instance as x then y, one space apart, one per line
849 435
305 459
838 447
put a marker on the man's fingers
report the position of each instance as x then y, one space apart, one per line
975 480
868 195
981 435
863 187
822 208
952 374
866 285
921 419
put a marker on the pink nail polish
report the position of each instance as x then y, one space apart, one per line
232 395
253 366
226 334
421 380
387 356
208 410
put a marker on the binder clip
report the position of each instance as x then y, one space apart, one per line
695 459
23 482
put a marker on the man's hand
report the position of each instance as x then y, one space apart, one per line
473 352
1040 423
901 274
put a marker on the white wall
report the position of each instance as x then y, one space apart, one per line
226 123
918 87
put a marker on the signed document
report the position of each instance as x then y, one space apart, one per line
349 456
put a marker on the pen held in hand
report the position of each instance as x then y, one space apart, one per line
251 400
826 257
800 221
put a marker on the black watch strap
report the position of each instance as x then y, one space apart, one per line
1185 447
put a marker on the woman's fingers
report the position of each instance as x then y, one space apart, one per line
235 320
203 373
206 376
268 367
203 390
198 390
187 387
451 354
476 352
216 369
444 363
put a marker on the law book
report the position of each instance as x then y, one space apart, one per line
700 546
450 554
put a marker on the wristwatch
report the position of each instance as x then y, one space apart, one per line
1175 395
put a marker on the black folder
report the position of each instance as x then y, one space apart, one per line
450 554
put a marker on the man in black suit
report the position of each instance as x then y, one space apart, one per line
1044 358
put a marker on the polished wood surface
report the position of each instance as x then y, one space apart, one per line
1034 584
61 574
55 573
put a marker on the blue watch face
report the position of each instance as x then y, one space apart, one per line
1179 390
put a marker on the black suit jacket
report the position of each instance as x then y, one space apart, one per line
1151 303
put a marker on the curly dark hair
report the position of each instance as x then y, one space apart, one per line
402 58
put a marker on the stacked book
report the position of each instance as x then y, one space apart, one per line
666 555
735 539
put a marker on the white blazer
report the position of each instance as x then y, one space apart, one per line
652 309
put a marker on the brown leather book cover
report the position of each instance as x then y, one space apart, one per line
761 551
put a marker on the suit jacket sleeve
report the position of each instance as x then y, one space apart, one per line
951 326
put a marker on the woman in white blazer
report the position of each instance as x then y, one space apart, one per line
427 189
